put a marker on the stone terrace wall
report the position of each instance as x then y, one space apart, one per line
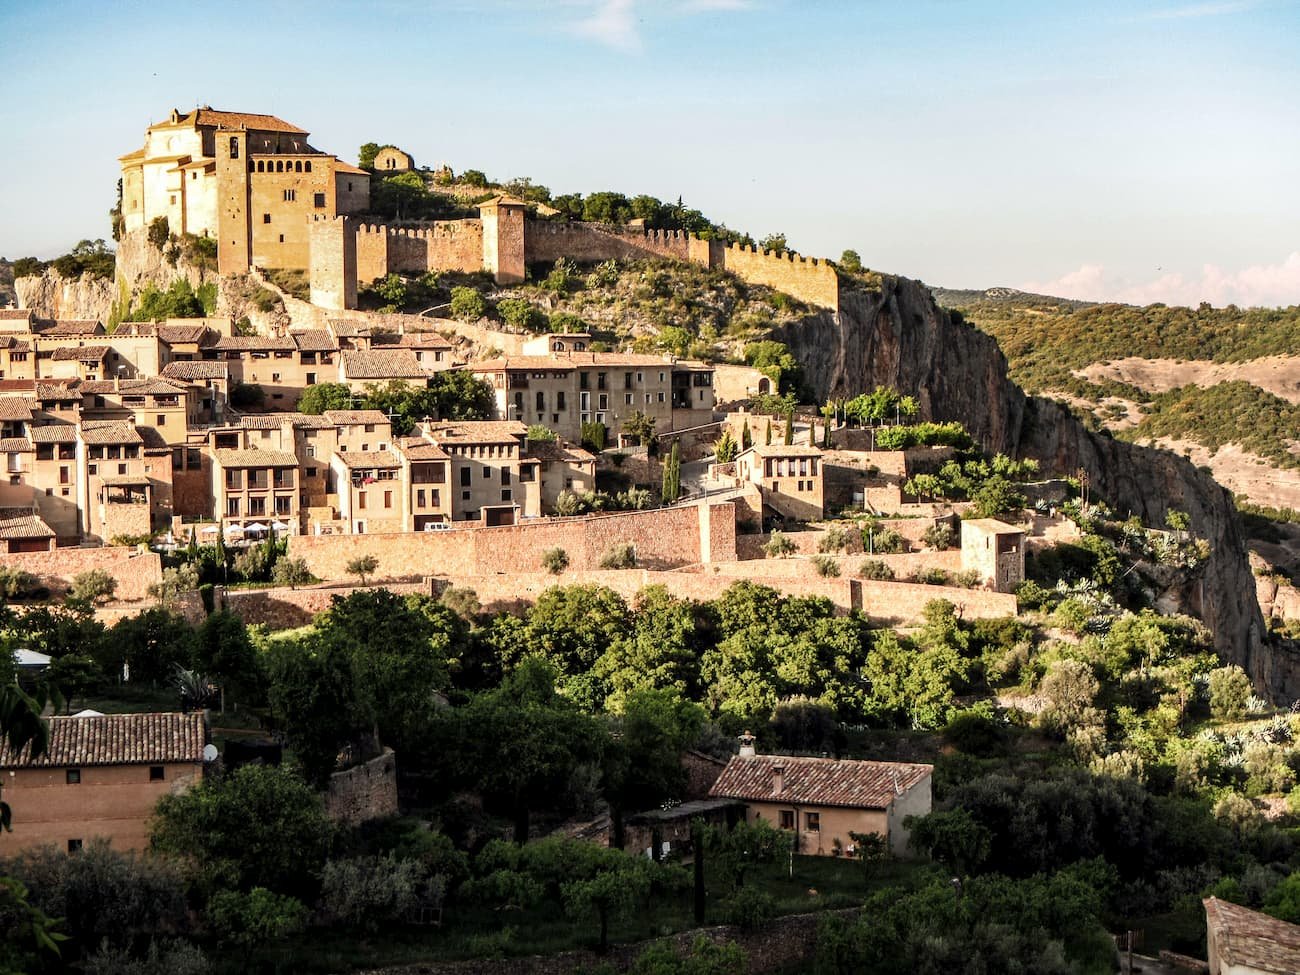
134 571
285 609
904 602
784 944
547 242
364 792
664 538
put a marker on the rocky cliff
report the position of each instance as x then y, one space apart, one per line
51 295
899 337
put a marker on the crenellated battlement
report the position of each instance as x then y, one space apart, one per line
788 256
434 231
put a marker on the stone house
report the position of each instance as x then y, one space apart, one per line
822 800
994 549
564 467
492 478
790 478
256 487
101 777
391 159
1240 941
24 531
371 491
361 369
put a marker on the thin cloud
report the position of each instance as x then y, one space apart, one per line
1196 10
1260 285
713 6
614 24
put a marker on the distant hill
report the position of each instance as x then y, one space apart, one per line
964 298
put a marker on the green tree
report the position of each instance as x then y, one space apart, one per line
672 481
93 586
291 572
555 560
467 304
259 826
225 653
851 262
613 891
315 400
366 154
789 428
1230 689
734 851
954 838
660 651
362 566
725 447
640 426
247 921
1283 901
152 644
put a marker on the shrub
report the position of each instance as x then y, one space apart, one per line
291 572
750 908
619 556
15 583
366 892
555 560
939 537
537 433
836 539
363 566
1230 692
968 579
826 566
932 577
159 231
885 541
593 437
252 563
521 314
876 569
779 546
461 600
467 304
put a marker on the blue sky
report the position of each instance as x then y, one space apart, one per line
1138 151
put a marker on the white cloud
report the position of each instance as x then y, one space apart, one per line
1261 285
612 23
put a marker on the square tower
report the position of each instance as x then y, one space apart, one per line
234 234
503 238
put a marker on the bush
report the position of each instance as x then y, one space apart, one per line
619 556
836 539
367 892
467 304
826 566
932 577
968 579
779 546
555 560
537 433
939 537
461 600
876 569
363 566
291 572
750 908
1230 691
885 541
159 231
15 583
521 314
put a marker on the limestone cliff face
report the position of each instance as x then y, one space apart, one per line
50 295
900 337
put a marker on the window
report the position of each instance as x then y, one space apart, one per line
121 469
787 819
437 498
318 201
73 776
156 773
232 507
419 498
388 499
541 401
505 495
290 195
74 846
465 477
311 379
162 419
234 147
812 822
283 505
559 400
266 218
92 468
627 399
361 499
661 397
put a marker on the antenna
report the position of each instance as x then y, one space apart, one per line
210 754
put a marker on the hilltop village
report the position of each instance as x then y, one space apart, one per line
373 625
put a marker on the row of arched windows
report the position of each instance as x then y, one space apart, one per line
279 166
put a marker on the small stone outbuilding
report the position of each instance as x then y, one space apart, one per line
1240 941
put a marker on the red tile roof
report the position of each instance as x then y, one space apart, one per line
109 432
116 739
256 458
206 369
389 364
314 340
22 525
83 353
818 781
242 120
1252 940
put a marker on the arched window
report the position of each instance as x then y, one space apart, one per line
279 165
261 166
309 167
298 166
234 147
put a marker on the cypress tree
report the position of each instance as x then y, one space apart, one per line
746 438
789 428
672 484
767 433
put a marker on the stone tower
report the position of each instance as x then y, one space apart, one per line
233 231
503 238
333 242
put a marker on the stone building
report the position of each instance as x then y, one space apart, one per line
790 478
492 478
1240 941
100 777
391 159
996 550
822 800
252 181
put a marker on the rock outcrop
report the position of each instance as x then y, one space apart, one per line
900 337
51 295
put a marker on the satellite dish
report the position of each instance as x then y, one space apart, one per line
210 753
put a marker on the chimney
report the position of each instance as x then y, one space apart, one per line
747 745
778 779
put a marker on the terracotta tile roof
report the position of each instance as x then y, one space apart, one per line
818 781
504 200
182 334
136 330
477 432
74 326
555 451
205 369
256 458
15 408
14 524
127 481
368 458
992 526
417 448
263 421
64 392
54 433
253 343
14 445
109 432
83 353
574 360
352 417
342 167
13 344
134 387
784 450
388 364
413 340
348 328
1251 940
241 120
116 739
15 314
314 340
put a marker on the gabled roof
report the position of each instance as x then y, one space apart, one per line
22 524
818 781
204 369
314 340
54 433
82 353
109 432
134 387
413 340
116 739
73 326
783 450
386 364
15 314
368 458
253 343
342 418
1251 940
66 392
342 167
182 334
256 458
477 432
502 200
15 408
419 449
241 120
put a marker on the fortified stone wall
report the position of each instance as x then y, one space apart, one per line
806 278
447 245
664 538
546 242
134 571
364 792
